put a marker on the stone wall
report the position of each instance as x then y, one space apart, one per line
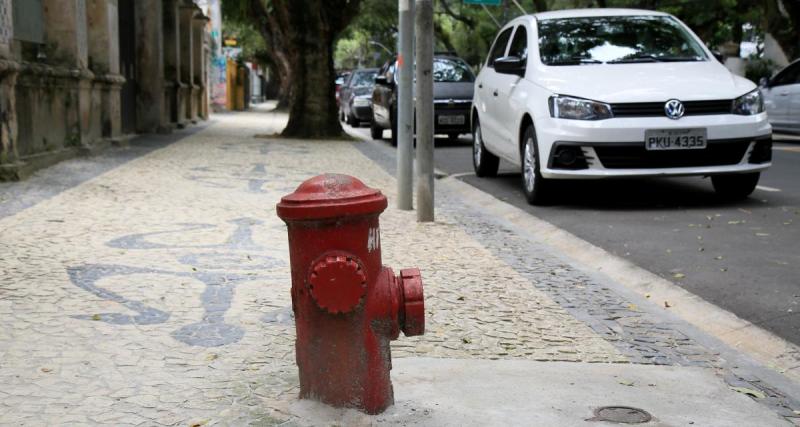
63 97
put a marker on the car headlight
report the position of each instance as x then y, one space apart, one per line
567 107
361 101
749 104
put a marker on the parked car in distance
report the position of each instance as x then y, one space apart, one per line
356 97
600 93
453 85
782 99
340 79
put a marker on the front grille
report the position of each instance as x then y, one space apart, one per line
656 109
637 157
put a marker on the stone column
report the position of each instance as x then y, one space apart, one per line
103 20
198 28
66 30
150 109
172 63
187 11
8 80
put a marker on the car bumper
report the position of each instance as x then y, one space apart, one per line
362 113
450 120
615 147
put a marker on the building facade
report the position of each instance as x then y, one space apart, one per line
78 75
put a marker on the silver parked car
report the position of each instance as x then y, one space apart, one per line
782 99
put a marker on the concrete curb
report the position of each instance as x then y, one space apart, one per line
763 346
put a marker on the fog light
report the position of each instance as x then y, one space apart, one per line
568 157
762 152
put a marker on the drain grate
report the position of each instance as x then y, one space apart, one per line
621 415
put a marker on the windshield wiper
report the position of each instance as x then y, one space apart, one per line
575 61
635 58
654 58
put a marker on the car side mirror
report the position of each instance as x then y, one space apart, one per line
719 56
763 82
510 65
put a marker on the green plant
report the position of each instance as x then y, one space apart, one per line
758 68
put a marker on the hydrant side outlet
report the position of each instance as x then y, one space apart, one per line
347 306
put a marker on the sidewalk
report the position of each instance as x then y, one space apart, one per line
155 291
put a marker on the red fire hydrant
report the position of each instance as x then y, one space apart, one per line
347 305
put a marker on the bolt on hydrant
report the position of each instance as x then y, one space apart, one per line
347 305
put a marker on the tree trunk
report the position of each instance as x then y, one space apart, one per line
312 105
783 22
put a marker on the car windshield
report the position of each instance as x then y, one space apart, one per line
446 70
616 40
363 78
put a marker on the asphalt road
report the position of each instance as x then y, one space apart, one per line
742 256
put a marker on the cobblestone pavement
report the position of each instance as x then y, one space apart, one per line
157 292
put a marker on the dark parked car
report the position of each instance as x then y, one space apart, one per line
452 92
340 79
355 97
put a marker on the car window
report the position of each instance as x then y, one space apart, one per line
363 78
791 75
616 40
499 47
447 70
519 44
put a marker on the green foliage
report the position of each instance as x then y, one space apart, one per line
758 68
252 43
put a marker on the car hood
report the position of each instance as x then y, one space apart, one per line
644 82
449 90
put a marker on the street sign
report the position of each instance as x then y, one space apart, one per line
486 2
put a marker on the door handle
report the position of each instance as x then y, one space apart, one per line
495 92
480 85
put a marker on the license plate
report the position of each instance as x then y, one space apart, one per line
675 139
451 120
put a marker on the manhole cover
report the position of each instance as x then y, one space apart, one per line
621 414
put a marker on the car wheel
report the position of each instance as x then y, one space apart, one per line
484 162
375 131
735 186
352 120
535 187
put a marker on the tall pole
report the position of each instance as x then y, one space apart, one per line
424 110
405 108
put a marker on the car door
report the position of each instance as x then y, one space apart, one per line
506 106
778 97
486 90
382 96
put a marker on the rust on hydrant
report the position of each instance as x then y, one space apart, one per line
347 305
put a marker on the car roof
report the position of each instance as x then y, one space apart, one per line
584 13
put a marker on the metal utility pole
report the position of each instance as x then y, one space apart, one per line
405 108
424 103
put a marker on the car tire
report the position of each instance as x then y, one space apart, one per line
536 188
735 186
484 162
375 131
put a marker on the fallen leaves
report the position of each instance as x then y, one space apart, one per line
750 392
678 276
667 304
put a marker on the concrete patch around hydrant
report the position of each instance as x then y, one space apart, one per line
459 392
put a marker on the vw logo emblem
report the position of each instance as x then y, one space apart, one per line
674 109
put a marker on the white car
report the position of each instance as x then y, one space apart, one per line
782 99
601 93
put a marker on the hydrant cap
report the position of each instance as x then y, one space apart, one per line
331 196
